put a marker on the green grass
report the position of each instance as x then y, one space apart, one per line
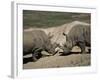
48 19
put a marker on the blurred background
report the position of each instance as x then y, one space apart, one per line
49 19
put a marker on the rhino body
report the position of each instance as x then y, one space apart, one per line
80 36
36 41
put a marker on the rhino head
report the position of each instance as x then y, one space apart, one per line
51 46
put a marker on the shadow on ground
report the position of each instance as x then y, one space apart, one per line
26 60
29 59
61 54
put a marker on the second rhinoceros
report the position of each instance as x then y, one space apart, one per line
78 36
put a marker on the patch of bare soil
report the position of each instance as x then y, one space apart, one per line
72 60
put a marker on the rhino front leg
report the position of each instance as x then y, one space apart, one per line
82 46
36 54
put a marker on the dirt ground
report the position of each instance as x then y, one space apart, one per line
72 60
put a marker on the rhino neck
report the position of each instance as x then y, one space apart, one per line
73 43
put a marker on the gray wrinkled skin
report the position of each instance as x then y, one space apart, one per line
36 41
78 35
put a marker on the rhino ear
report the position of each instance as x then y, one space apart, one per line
65 35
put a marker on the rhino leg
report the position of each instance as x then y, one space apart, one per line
36 54
34 57
89 50
82 46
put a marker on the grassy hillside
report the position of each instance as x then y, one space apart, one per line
49 19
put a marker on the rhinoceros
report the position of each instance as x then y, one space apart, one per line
36 41
80 36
